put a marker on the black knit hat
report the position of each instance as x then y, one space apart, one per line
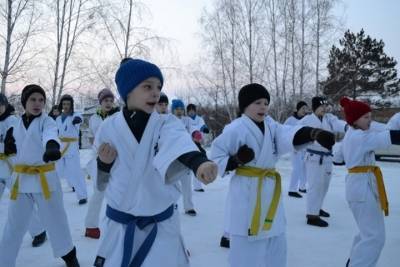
250 93
3 100
30 89
301 104
66 98
191 107
163 98
318 101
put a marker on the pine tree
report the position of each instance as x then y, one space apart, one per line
360 67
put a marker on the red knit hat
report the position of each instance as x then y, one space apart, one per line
353 109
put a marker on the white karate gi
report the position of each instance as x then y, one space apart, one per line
268 248
394 122
96 200
197 124
319 168
298 178
143 182
31 145
357 149
69 166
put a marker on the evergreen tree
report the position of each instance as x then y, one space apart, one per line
360 67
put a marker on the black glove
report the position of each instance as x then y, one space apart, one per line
244 155
76 120
9 143
52 152
324 138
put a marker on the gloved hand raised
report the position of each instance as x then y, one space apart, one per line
9 143
76 120
244 155
324 138
52 152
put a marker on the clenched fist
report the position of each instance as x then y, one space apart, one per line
107 154
207 172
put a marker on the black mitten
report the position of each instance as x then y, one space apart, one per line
324 138
245 154
9 143
76 120
52 152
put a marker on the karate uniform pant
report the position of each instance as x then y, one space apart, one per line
318 179
35 226
94 208
298 178
168 249
69 168
187 194
52 215
270 252
197 185
369 242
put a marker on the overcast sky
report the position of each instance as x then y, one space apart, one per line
178 19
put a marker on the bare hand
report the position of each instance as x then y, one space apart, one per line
107 153
207 172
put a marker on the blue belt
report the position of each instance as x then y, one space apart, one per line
322 154
131 222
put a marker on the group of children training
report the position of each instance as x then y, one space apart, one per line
144 158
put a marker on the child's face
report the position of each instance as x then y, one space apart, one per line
302 111
364 122
321 110
145 96
107 104
66 106
179 112
257 110
162 108
191 113
2 109
35 104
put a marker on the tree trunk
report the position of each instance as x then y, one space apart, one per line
318 48
4 73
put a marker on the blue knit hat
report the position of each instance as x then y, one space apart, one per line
132 72
177 103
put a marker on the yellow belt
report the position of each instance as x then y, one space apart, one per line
67 140
5 158
261 174
33 170
379 181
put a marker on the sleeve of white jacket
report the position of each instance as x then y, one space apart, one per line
339 126
394 122
50 131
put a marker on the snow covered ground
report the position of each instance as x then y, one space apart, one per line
307 246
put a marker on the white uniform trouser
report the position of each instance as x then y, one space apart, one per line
69 168
270 252
52 215
187 194
167 250
197 185
369 242
318 179
298 178
35 226
94 208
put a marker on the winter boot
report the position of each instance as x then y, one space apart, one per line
39 240
70 259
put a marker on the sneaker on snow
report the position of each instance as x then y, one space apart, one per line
316 221
39 239
191 212
82 201
199 190
225 242
303 191
294 194
323 213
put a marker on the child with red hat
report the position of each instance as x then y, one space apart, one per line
365 190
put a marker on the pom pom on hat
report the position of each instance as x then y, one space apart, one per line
353 109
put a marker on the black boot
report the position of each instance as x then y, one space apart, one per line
39 239
348 263
323 213
70 259
82 201
294 194
225 242
316 221
303 191
191 212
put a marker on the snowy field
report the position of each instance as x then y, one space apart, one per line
307 246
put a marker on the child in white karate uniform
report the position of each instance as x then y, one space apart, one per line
365 189
141 156
251 145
